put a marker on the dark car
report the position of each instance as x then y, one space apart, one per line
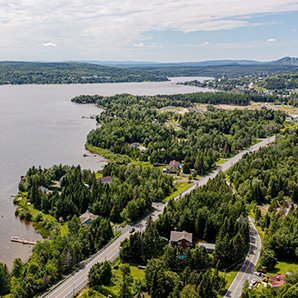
131 230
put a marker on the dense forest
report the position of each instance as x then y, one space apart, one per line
197 138
177 100
51 260
212 213
69 73
270 177
219 71
127 197
281 82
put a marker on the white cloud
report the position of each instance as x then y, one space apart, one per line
139 45
271 40
48 44
100 27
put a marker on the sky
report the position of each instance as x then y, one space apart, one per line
148 30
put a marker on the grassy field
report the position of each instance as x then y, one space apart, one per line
180 186
114 286
284 267
229 277
38 226
289 125
220 161
108 154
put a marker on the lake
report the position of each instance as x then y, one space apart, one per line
39 125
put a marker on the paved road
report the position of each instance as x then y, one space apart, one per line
247 269
79 279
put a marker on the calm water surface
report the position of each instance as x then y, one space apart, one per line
40 126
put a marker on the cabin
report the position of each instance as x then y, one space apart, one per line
173 166
104 180
87 217
182 239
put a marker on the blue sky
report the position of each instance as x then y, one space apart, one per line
156 30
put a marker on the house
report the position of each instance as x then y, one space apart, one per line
209 246
138 146
277 280
173 167
104 180
87 217
44 190
182 239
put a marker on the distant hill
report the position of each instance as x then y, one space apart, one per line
286 61
17 72
134 64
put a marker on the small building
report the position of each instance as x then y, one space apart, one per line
138 146
173 166
182 239
87 217
277 280
104 180
44 190
209 246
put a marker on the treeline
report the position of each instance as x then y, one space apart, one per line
69 73
219 71
281 82
184 100
127 197
271 174
51 260
200 138
212 213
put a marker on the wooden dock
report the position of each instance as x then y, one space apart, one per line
23 241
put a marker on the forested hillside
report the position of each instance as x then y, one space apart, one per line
212 213
197 138
69 73
269 180
127 197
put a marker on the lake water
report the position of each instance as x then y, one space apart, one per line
39 125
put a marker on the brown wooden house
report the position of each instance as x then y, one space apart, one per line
182 239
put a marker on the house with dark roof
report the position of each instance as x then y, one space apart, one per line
182 239
173 166
104 180
87 217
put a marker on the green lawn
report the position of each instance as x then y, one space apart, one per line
98 175
229 277
289 125
284 267
180 186
220 161
43 231
108 154
134 270
143 164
